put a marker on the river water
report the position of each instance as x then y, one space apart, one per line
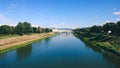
59 51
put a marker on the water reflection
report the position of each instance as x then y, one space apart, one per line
94 48
47 40
65 34
112 59
2 57
108 56
23 52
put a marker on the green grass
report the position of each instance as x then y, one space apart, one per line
102 41
109 47
7 36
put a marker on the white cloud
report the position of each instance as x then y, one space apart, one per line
109 21
6 20
117 13
34 25
118 19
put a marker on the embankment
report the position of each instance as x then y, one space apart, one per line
19 41
104 42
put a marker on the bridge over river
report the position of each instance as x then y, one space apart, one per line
62 30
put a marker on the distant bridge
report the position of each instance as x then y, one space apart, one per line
61 30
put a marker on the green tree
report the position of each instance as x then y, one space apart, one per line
96 29
20 28
109 27
5 29
77 30
12 30
34 29
118 28
28 28
46 30
40 30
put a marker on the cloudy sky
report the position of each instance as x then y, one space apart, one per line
59 13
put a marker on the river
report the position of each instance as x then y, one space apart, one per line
59 51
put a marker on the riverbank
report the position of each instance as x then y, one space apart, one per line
19 41
109 43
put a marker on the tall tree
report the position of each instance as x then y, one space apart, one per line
12 30
28 28
118 28
109 27
5 29
46 30
34 29
96 29
40 29
20 28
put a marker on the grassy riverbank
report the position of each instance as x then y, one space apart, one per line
11 43
110 43
2 36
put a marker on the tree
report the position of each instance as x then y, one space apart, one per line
96 29
20 28
110 27
40 30
5 29
28 28
12 30
46 30
77 30
34 29
118 28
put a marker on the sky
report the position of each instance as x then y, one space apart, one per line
59 13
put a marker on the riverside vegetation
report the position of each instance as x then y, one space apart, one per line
106 36
12 37
24 28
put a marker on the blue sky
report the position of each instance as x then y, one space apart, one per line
59 13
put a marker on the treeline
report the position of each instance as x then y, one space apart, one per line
110 28
22 28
